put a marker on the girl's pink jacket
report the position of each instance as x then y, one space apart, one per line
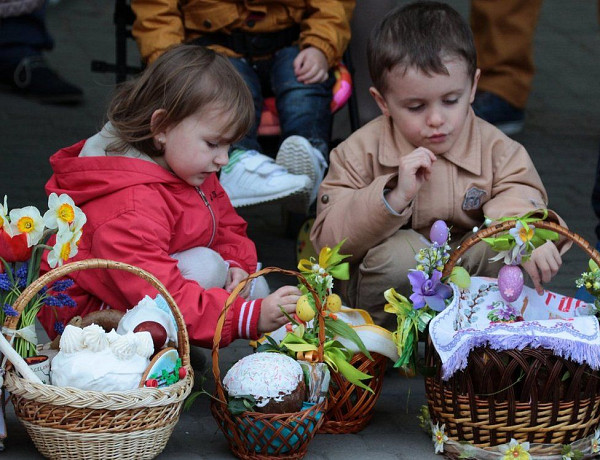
139 213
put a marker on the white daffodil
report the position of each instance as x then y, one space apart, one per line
522 234
596 441
78 222
64 248
61 211
438 436
27 220
515 450
4 222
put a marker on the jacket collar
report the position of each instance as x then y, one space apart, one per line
465 153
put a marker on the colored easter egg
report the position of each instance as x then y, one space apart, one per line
333 303
156 330
510 282
460 277
304 310
439 232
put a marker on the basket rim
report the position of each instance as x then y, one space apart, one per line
88 399
507 225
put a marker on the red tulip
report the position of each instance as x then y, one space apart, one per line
14 249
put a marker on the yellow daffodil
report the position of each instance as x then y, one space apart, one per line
62 211
438 436
64 248
515 451
27 220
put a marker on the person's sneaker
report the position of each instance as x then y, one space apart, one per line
497 111
32 77
253 178
298 156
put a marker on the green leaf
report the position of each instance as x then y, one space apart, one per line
339 327
593 265
241 404
341 271
546 235
351 374
500 243
300 347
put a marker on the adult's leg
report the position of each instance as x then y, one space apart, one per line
503 33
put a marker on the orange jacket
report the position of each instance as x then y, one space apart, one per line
159 24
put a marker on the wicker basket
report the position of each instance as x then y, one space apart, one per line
516 394
350 407
68 423
254 435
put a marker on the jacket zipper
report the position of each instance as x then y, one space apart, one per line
212 215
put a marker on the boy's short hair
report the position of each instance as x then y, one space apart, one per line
419 35
183 81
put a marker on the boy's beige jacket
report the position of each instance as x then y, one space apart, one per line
485 174
325 24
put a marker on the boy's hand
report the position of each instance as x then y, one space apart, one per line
234 276
543 265
271 316
413 171
310 66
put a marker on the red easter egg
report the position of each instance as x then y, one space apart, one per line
156 330
510 282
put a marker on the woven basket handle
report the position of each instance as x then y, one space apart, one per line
231 299
504 227
30 291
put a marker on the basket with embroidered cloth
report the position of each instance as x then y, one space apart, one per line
71 423
510 377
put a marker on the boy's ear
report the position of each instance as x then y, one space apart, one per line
379 100
474 87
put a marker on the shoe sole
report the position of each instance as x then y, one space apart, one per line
251 201
294 157
511 127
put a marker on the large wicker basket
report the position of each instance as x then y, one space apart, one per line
68 423
520 394
254 435
350 407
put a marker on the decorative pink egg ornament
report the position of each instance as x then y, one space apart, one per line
510 282
439 232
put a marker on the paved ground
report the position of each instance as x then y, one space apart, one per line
562 134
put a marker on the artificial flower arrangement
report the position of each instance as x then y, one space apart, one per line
301 339
24 234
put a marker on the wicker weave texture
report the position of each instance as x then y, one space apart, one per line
258 436
67 422
350 407
529 394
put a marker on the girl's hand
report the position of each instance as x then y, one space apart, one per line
271 316
413 171
543 265
234 276
310 66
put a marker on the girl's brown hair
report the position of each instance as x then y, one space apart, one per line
184 80
422 35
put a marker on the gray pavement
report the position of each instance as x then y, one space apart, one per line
562 134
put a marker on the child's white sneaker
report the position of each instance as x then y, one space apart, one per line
298 156
252 178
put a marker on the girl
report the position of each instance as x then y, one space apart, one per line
148 185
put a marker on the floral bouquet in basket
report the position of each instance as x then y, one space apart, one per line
24 234
301 340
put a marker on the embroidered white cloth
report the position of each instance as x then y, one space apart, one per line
478 316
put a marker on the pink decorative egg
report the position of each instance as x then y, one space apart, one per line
510 282
439 232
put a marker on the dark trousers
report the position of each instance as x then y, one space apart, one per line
24 36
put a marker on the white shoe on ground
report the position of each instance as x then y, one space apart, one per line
252 178
298 156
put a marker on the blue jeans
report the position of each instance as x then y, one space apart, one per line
303 109
24 36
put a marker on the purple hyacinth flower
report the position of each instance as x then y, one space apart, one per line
428 291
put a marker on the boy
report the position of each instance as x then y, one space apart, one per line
427 158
